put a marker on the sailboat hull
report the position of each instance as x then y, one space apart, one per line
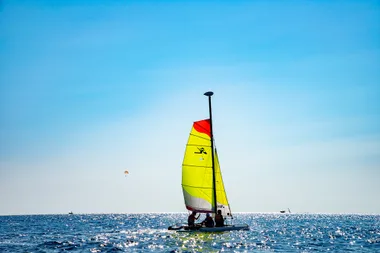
213 229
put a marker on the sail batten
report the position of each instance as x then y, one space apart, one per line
197 172
196 187
196 166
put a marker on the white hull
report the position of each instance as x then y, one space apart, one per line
213 229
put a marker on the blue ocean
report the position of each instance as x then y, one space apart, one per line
148 233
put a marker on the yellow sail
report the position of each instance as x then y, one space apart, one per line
221 196
197 174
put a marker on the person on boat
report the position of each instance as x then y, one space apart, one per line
191 219
208 222
219 220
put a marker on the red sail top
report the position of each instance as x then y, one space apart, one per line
203 126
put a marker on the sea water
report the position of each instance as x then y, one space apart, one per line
148 233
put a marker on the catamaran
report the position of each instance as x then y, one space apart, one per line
202 183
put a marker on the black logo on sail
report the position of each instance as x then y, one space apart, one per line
201 151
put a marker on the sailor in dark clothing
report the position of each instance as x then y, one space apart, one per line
208 222
191 219
219 220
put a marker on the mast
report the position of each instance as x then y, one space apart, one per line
209 94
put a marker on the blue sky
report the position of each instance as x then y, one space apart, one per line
91 88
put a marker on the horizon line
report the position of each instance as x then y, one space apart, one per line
296 213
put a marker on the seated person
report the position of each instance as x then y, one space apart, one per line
191 219
219 220
208 222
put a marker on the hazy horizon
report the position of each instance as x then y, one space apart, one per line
187 212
